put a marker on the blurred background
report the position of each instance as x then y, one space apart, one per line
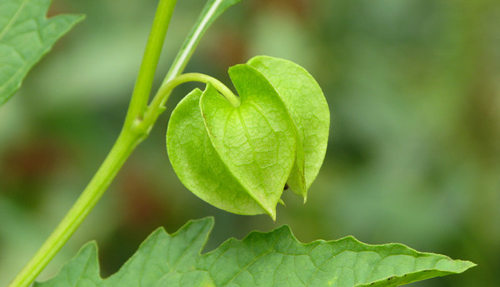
414 152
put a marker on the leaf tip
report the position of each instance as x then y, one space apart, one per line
271 212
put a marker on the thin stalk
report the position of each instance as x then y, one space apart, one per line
163 94
138 122
208 15
128 139
124 145
145 77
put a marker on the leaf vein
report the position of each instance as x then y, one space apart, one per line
13 19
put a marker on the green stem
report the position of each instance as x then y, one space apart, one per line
149 63
209 13
161 97
128 139
124 145
139 121
212 10
156 108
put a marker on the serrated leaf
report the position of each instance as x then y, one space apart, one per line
255 140
198 165
261 259
307 105
25 36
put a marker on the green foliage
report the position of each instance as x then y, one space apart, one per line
309 110
255 140
25 36
235 154
261 259
197 164
238 157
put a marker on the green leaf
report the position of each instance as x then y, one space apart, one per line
198 165
261 259
235 158
255 140
277 134
307 105
25 36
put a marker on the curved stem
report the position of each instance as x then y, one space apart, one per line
128 139
212 10
139 121
157 105
161 97
124 145
223 89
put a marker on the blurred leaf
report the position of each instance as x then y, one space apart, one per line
25 36
261 259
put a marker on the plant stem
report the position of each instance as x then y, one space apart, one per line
157 105
145 78
209 13
122 148
138 123
128 139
